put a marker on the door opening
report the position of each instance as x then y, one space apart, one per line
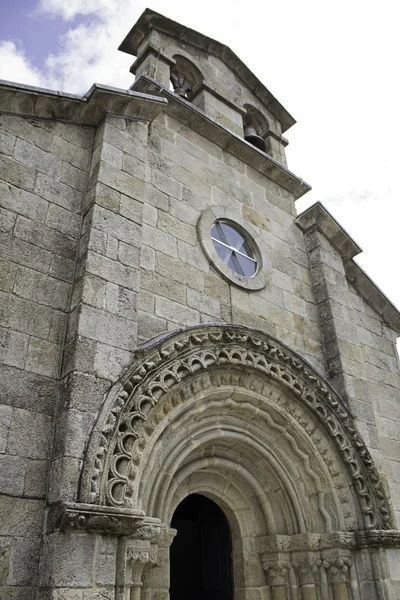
201 553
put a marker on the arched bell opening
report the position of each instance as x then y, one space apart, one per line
255 127
201 552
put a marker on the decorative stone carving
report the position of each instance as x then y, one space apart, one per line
338 568
110 467
278 572
91 518
307 569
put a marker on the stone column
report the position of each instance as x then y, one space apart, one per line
306 568
278 578
338 576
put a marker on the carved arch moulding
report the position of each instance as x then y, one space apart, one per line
118 439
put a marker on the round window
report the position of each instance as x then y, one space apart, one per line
233 248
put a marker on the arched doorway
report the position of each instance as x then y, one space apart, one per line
200 559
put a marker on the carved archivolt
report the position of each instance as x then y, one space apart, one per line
119 438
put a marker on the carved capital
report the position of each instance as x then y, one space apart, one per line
278 571
338 568
307 569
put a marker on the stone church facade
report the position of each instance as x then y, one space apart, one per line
145 360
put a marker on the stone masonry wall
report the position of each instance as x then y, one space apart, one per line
378 382
43 174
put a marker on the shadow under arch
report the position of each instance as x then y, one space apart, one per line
180 364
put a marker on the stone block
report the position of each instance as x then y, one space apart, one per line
176 270
149 326
7 220
70 153
62 268
177 228
119 180
203 303
27 390
23 253
110 329
12 474
78 135
17 174
44 237
178 313
68 559
63 479
128 255
163 286
159 240
116 226
131 209
22 202
282 281
7 275
184 212
136 167
105 565
43 357
21 517
112 271
125 141
127 303
148 258
150 215
74 177
34 157
35 483
63 220
7 143
42 289
110 361
30 434
13 347
71 433
5 424
194 256
21 315
24 561
166 184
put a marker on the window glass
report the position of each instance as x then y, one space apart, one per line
233 248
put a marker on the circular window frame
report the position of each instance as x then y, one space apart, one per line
207 219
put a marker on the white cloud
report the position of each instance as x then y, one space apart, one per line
15 66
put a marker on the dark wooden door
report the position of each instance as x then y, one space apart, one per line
201 563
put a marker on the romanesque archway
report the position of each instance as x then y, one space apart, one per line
234 415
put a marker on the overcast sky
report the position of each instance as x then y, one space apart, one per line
334 66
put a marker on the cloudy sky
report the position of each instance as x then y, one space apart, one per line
333 65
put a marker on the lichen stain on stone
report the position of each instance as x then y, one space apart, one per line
255 218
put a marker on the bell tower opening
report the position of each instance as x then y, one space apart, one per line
201 553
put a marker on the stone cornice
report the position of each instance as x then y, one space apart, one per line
312 542
153 20
90 109
187 113
72 516
318 217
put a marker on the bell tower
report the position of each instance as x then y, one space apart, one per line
211 77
